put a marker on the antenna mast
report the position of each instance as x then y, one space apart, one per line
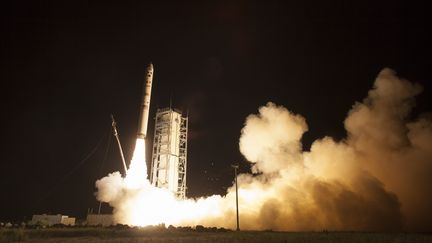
116 135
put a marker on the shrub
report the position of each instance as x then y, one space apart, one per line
13 235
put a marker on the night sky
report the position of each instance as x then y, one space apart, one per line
67 65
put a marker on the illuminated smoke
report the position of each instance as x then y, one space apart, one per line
378 178
136 202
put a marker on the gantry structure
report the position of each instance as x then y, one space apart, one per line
169 155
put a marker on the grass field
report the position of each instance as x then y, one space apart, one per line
90 235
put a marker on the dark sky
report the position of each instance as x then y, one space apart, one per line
67 65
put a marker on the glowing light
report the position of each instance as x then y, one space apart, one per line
136 176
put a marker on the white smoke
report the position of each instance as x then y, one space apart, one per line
378 178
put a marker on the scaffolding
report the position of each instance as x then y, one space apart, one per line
169 157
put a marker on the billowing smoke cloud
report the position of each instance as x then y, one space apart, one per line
379 178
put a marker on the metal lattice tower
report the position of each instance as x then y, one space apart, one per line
169 157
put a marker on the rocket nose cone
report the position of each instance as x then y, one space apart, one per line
150 66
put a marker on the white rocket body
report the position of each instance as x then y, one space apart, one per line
145 103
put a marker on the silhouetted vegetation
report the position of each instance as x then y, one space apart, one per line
123 233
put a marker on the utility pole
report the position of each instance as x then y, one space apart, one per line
237 211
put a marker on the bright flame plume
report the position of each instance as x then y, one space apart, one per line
137 202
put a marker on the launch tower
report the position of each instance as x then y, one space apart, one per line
169 158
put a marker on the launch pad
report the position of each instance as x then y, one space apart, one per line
169 153
169 158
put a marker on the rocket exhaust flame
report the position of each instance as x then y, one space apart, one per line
377 179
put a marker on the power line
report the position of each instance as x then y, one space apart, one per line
71 172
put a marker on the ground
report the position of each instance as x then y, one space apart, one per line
120 235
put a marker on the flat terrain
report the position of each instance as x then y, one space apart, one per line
116 235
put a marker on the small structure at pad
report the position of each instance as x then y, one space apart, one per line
169 157
100 219
49 220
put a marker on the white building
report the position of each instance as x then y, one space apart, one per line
169 157
49 220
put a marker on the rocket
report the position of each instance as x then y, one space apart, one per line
145 103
